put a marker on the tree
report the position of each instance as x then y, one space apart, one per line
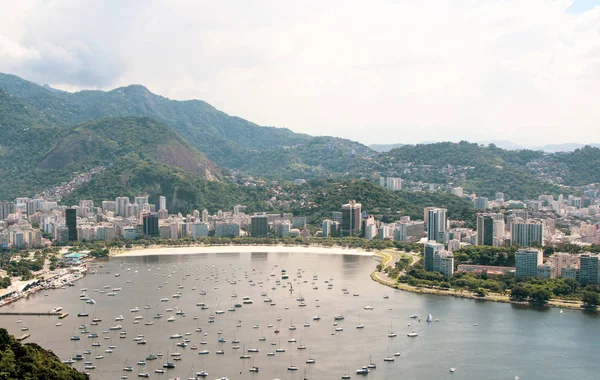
540 295
519 292
591 300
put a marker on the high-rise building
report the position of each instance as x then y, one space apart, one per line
336 216
391 183
527 262
500 196
162 202
141 201
109 206
412 230
239 209
351 219
431 247
458 191
443 262
6 208
589 266
525 233
259 226
199 230
227 230
436 223
485 229
326 228
122 203
480 203
204 216
71 223
150 223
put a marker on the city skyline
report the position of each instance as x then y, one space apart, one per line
489 70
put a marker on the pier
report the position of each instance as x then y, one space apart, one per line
47 314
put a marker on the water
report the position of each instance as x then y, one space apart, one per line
507 341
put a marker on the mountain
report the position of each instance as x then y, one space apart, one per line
224 139
30 361
99 142
384 147
133 175
479 169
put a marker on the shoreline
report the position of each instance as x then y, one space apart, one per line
203 249
493 297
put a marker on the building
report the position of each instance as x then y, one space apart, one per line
391 183
527 262
259 226
485 268
480 203
526 233
436 222
150 223
485 229
431 247
562 260
443 262
545 271
71 222
129 233
326 228
411 231
458 191
351 219
122 203
500 196
227 230
162 202
199 230
6 208
370 231
589 269
283 229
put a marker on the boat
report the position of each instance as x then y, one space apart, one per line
202 374
56 309
452 369
253 369
169 365
75 337
362 371
316 318
414 316
339 317
561 311
128 369
412 334
143 374
158 370
83 314
371 365
429 318
116 327
119 318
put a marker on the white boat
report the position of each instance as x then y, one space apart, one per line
57 309
414 316
452 369
412 334
119 318
429 318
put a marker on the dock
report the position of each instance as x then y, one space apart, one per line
47 314
22 337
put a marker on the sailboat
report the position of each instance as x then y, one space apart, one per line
429 318
292 367
391 334
360 325
310 359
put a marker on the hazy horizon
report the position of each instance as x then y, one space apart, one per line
527 72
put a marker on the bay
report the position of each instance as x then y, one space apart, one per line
507 341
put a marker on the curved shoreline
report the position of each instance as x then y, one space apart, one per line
194 250
493 297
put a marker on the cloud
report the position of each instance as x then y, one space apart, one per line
376 72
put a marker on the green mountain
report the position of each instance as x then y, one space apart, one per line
35 154
483 170
325 196
32 362
225 139
99 142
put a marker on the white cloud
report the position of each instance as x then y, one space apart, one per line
379 71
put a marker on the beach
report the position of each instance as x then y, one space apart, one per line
194 250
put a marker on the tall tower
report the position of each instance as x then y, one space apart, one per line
436 223
351 219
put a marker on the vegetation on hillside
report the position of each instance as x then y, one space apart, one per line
31 362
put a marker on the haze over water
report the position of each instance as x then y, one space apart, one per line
507 341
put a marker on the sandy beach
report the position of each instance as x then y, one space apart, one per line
193 250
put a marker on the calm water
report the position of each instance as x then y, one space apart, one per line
507 341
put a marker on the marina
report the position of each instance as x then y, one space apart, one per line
320 340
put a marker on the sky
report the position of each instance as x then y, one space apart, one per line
378 71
